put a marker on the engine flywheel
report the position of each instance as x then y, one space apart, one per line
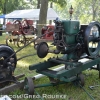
92 39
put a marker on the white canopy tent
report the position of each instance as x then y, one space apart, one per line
31 14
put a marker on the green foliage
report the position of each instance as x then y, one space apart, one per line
87 10
6 6
63 11
84 10
0 25
59 2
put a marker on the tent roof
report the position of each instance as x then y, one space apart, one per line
32 14
2 16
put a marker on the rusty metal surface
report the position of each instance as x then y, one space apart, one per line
12 27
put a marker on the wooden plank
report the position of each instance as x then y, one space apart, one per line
11 88
30 36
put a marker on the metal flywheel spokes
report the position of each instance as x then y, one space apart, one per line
92 39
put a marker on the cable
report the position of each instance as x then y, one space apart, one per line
86 92
22 48
25 46
26 56
41 98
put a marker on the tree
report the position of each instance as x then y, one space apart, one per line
43 11
43 14
84 10
87 10
59 2
7 6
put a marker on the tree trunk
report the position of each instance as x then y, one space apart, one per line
38 7
51 6
94 15
43 15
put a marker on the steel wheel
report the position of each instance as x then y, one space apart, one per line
92 39
25 27
81 79
31 30
29 86
9 40
19 23
21 40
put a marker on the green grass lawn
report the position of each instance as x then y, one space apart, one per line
71 91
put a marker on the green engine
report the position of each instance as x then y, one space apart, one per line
65 37
71 28
73 40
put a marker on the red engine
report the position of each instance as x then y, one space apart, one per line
48 30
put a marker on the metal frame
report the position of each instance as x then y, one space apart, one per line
65 75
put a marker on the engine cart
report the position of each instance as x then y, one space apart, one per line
75 42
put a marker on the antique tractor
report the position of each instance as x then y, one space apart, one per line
21 32
75 42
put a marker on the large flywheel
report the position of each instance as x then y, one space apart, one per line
92 39
7 66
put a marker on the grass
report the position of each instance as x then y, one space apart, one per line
71 91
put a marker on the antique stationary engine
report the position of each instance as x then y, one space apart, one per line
7 66
75 42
